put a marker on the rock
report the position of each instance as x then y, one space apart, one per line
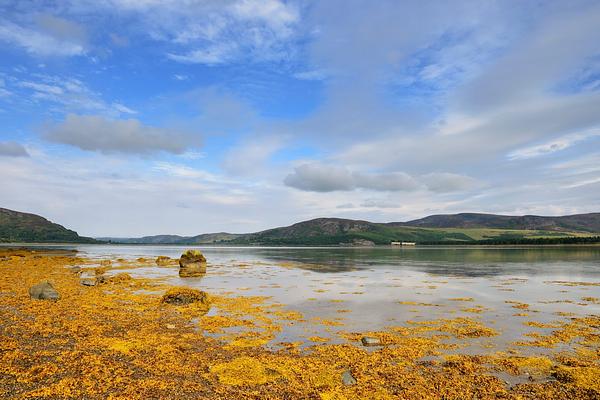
370 341
43 291
363 243
120 278
106 263
192 263
348 379
89 281
89 278
163 260
171 326
182 296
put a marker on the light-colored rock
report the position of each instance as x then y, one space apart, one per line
75 269
370 341
192 263
89 281
43 291
348 379
171 326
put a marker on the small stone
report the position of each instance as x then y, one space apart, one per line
348 379
75 269
90 281
171 326
370 341
43 291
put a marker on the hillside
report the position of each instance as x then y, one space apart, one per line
456 228
206 238
580 222
23 227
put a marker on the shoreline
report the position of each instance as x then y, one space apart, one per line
117 340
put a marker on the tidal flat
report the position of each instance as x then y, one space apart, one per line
289 323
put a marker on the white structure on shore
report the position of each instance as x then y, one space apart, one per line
403 243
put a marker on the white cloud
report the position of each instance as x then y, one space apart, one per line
553 146
249 156
53 37
95 133
70 93
318 177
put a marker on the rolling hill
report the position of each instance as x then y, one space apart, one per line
580 222
456 228
23 227
453 228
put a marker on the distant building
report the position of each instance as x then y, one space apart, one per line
403 243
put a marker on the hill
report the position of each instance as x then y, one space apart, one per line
580 222
23 227
455 228
206 238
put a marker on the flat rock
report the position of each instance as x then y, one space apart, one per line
370 341
90 281
348 379
43 291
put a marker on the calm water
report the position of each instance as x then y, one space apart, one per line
369 284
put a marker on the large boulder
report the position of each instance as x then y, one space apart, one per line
192 263
184 296
43 291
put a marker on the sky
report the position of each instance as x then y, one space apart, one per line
142 117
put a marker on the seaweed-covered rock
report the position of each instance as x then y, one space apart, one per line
120 278
192 263
182 296
43 291
163 260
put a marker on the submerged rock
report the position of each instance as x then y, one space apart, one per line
182 296
191 264
348 379
370 341
163 260
43 291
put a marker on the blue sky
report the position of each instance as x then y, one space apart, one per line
126 118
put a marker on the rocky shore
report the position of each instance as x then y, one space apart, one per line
77 328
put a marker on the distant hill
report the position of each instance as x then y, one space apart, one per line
23 227
206 238
452 228
456 228
580 222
